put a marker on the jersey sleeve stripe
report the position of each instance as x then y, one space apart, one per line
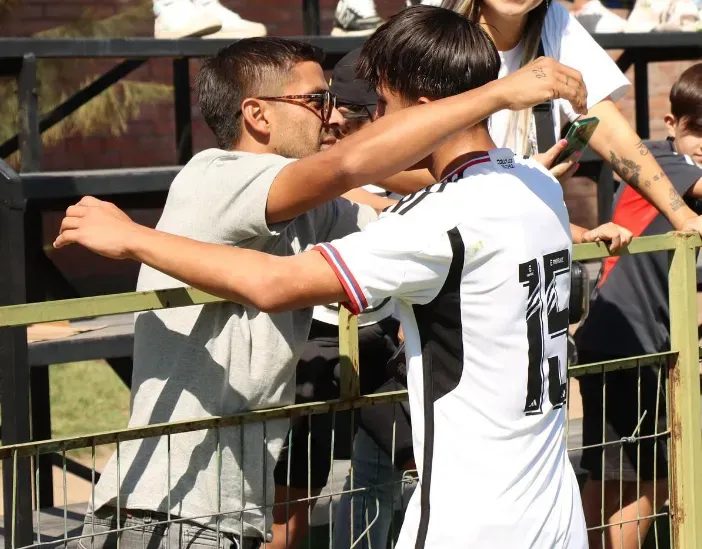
357 301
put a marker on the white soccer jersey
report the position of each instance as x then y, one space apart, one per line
480 266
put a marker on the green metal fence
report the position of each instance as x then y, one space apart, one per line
679 373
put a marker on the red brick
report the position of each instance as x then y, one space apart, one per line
68 12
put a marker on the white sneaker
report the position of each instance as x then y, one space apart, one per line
598 19
355 18
233 26
181 18
682 15
647 15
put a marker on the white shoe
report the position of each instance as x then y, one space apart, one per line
598 19
181 18
233 26
682 15
437 3
647 15
355 18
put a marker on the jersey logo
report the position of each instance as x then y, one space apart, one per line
505 163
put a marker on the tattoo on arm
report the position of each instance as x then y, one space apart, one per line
629 170
643 150
539 73
676 202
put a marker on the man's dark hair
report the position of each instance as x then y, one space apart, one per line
247 68
686 99
426 51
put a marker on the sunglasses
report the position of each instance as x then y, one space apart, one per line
356 112
325 102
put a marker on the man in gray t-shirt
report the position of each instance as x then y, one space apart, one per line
218 359
267 101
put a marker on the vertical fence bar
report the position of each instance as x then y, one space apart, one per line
684 398
41 430
350 379
183 119
643 128
310 17
14 383
348 354
29 134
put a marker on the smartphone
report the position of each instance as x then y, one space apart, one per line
578 136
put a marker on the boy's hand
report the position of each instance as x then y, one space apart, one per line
99 226
542 80
563 171
616 236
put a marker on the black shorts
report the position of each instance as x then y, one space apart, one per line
317 379
622 417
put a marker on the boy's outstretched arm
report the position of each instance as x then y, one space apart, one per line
267 282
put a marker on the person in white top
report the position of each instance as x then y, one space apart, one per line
517 28
479 263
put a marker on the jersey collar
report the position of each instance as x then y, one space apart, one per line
466 166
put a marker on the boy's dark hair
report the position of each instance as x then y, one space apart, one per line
247 68
686 99
426 51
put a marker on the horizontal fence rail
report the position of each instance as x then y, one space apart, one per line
73 309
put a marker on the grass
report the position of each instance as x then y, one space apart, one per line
86 397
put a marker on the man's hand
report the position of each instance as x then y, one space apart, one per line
99 226
563 171
541 80
616 236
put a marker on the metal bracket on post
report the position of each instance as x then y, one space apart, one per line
29 135
684 397
348 354
14 364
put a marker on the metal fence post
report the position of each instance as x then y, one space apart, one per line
14 370
29 134
685 484
348 354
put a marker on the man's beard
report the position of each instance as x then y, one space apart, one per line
293 148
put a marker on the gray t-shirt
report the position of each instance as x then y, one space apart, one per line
218 359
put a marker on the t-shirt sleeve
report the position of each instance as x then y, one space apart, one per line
240 209
566 40
389 259
340 217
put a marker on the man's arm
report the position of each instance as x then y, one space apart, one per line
267 282
617 143
400 140
361 196
407 182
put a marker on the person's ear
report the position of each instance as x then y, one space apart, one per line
423 100
256 114
671 124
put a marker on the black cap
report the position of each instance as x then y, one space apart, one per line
345 84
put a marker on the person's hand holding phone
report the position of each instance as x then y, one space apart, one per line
562 171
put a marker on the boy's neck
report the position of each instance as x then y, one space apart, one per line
460 149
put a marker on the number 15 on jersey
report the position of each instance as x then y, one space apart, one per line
552 265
